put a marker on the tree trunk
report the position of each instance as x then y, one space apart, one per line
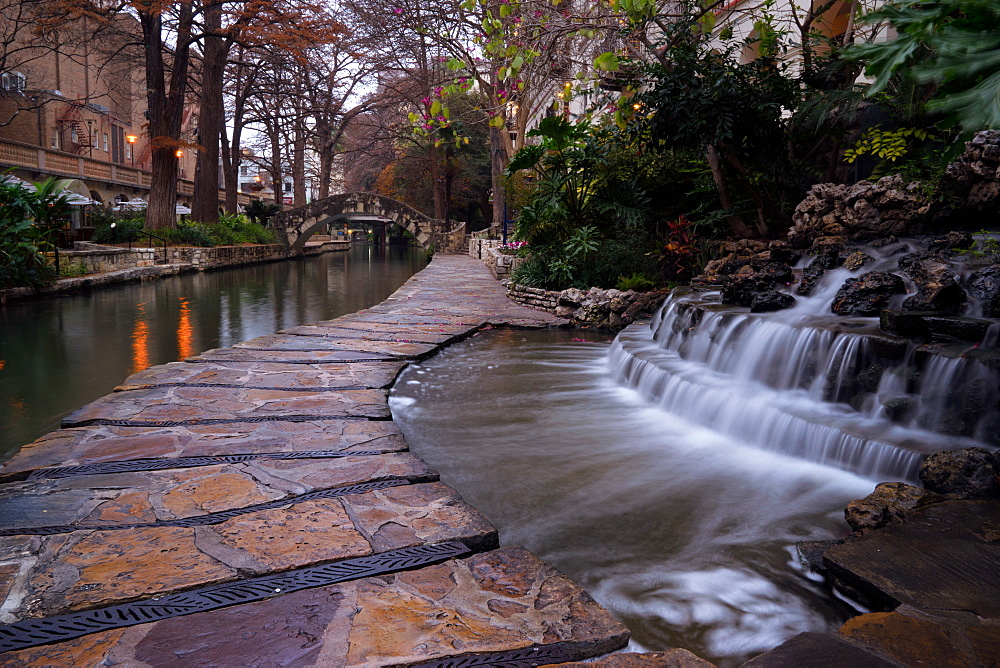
299 166
205 205
498 162
739 228
166 110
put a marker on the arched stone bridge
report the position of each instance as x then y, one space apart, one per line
301 223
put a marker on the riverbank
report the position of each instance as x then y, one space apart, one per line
269 475
111 265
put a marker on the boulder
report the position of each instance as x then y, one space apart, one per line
889 503
973 176
969 473
857 260
863 211
741 290
867 294
825 259
984 285
772 300
937 289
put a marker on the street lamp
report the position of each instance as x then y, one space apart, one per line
131 150
179 153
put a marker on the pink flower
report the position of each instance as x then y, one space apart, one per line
398 10
426 100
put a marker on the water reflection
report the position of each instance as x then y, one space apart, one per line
140 341
62 353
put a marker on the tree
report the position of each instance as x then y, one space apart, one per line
952 46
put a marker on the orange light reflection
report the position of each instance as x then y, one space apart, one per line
140 342
185 332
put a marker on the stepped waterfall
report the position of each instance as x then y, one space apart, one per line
809 384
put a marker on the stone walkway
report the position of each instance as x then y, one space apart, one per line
256 505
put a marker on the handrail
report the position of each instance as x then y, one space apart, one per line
146 233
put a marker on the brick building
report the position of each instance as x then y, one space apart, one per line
73 106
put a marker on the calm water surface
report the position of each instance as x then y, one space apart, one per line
61 353
684 534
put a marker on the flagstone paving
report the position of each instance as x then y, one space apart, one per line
256 505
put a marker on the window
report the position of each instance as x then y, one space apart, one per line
288 187
13 81
54 143
73 136
105 143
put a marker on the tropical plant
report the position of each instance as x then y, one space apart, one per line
26 225
260 212
951 46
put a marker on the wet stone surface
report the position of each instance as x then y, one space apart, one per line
109 443
186 404
371 375
312 393
492 602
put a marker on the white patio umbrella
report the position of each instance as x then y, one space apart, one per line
182 210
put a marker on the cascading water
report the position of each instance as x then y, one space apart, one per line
816 386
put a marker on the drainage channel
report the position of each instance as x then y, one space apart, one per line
33 632
221 516
137 465
206 421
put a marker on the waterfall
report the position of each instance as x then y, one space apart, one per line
827 389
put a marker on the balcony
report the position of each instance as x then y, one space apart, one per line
67 165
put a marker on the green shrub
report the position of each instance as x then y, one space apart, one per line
637 281
72 269
120 231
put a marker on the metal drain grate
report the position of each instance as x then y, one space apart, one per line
196 360
208 421
235 386
32 632
210 518
520 658
136 465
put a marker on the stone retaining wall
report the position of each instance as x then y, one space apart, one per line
499 264
594 308
225 256
97 259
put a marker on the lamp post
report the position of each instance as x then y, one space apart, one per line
131 141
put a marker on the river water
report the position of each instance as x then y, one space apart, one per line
684 533
60 353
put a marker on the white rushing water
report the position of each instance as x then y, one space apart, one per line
672 472
684 533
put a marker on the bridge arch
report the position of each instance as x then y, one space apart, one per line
298 225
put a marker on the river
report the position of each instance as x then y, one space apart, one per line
60 353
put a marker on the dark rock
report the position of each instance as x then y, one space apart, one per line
741 290
948 298
867 294
887 504
825 259
783 254
870 377
897 408
857 260
956 328
985 286
949 242
969 473
771 300
943 557
818 650
883 242
777 272
811 553
935 281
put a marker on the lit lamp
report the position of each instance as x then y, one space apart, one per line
131 141
179 153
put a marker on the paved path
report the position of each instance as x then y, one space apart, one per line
256 505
